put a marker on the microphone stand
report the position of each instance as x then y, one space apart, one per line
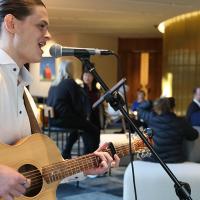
116 101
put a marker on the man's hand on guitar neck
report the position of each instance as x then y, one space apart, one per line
106 161
12 183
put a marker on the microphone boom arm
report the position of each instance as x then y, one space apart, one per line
117 102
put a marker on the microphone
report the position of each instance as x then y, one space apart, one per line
57 50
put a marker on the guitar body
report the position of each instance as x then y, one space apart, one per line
38 159
36 150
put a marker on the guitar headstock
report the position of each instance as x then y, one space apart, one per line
139 147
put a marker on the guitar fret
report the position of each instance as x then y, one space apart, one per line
87 165
52 176
56 175
60 170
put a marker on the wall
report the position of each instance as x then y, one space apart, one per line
182 57
130 51
105 65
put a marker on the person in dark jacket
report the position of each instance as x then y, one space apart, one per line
195 118
67 99
193 111
93 94
169 131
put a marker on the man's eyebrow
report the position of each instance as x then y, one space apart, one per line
45 22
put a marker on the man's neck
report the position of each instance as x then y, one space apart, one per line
12 55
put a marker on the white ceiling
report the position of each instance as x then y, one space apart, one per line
121 18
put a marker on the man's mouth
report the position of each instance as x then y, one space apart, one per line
41 44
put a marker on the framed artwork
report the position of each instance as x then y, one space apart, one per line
47 69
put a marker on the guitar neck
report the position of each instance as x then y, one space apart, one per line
60 170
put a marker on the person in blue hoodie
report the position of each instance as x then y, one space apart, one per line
169 130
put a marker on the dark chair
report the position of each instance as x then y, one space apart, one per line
58 134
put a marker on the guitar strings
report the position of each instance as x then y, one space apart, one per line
34 180
50 167
37 183
62 165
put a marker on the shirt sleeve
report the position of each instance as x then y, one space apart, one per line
144 111
77 177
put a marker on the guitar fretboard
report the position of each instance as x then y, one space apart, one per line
60 170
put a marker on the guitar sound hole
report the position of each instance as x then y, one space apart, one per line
32 173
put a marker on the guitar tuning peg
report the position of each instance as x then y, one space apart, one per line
149 132
147 154
141 154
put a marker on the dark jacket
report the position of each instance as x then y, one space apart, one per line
195 119
94 114
67 99
169 133
193 108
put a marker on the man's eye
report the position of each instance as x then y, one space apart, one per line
42 26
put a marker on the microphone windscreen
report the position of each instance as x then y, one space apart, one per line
55 50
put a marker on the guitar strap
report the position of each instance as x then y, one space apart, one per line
35 128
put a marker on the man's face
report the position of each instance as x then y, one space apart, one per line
197 94
30 36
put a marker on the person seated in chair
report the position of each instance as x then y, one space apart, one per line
70 107
134 115
169 130
115 118
140 99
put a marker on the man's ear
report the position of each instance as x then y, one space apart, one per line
9 21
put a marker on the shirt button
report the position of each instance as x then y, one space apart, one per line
20 112
14 69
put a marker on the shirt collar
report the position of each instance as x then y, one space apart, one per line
24 75
197 102
5 58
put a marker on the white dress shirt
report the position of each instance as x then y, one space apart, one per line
14 121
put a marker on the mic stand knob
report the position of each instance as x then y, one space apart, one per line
179 190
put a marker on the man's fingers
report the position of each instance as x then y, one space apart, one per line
20 188
27 183
8 197
104 156
116 161
104 166
15 193
102 147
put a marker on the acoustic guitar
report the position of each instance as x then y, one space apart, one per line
38 158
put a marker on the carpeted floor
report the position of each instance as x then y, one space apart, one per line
108 187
